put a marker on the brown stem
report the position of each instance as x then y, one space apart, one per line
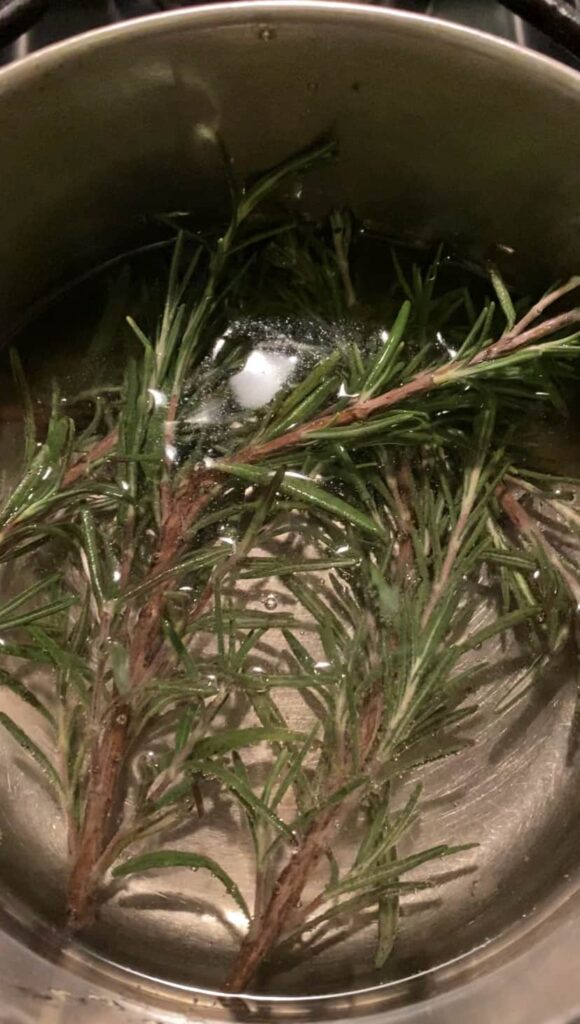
99 451
285 896
517 338
106 769
188 503
360 409
289 886
145 652
547 300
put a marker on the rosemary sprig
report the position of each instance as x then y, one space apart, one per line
373 489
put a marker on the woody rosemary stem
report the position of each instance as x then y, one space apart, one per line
361 409
103 793
105 781
286 894
290 884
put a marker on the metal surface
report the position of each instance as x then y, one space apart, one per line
66 18
442 132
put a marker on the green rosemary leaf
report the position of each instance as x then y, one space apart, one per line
233 782
31 748
47 611
317 376
260 568
237 658
307 408
29 422
560 346
387 920
348 908
183 656
376 880
267 710
378 817
184 727
512 560
43 475
357 782
402 820
268 182
247 620
308 596
302 656
173 296
501 625
218 621
354 477
401 276
140 335
36 654
235 739
28 594
503 296
383 428
28 537
206 558
525 472
380 371
276 770
352 355
99 584
266 235
21 691
161 859
296 758
477 334
388 594
298 486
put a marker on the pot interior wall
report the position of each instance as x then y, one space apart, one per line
441 133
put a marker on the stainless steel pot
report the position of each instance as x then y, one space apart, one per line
442 132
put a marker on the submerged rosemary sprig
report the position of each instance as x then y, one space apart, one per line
374 489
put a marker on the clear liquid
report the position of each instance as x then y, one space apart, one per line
179 926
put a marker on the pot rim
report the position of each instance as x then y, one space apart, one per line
259 11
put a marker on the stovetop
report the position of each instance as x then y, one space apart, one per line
32 24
